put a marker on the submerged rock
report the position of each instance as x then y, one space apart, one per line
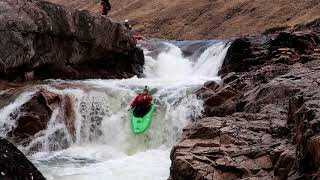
14 165
41 40
263 123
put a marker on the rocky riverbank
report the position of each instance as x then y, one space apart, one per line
264 121
41 40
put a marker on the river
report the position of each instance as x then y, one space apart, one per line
103 146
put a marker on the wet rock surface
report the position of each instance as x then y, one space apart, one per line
41 40
263 122
14 165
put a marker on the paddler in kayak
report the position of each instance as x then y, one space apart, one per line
141 103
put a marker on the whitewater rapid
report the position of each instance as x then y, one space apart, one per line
103 146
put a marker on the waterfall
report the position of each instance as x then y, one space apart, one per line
102 145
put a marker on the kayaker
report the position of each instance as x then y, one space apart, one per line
137 38
105 7
141 103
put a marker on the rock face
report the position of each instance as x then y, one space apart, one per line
40 40
14 165
264 122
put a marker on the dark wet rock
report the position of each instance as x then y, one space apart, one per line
40 40
224 148
239 50
304 42
230 77
14 165
314 25
263 122
305 127
207 89
254 52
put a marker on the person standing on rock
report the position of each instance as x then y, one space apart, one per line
135 37
127 24
105 7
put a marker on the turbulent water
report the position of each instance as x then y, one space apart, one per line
103 146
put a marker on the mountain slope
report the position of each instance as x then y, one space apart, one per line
199 19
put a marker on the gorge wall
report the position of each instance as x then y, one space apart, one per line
263 122
41 40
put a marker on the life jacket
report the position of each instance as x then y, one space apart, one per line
142 100
137 38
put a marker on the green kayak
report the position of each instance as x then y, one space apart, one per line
140 124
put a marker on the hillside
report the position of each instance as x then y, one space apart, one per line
206 19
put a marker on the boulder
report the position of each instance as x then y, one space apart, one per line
225 148
254 52
41 40
14 165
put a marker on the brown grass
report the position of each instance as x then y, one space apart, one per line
206 19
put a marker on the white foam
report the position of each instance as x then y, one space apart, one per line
169 65
211 60
149 165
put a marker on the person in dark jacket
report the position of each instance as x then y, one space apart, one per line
142 103
105 7
127 25
135 37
